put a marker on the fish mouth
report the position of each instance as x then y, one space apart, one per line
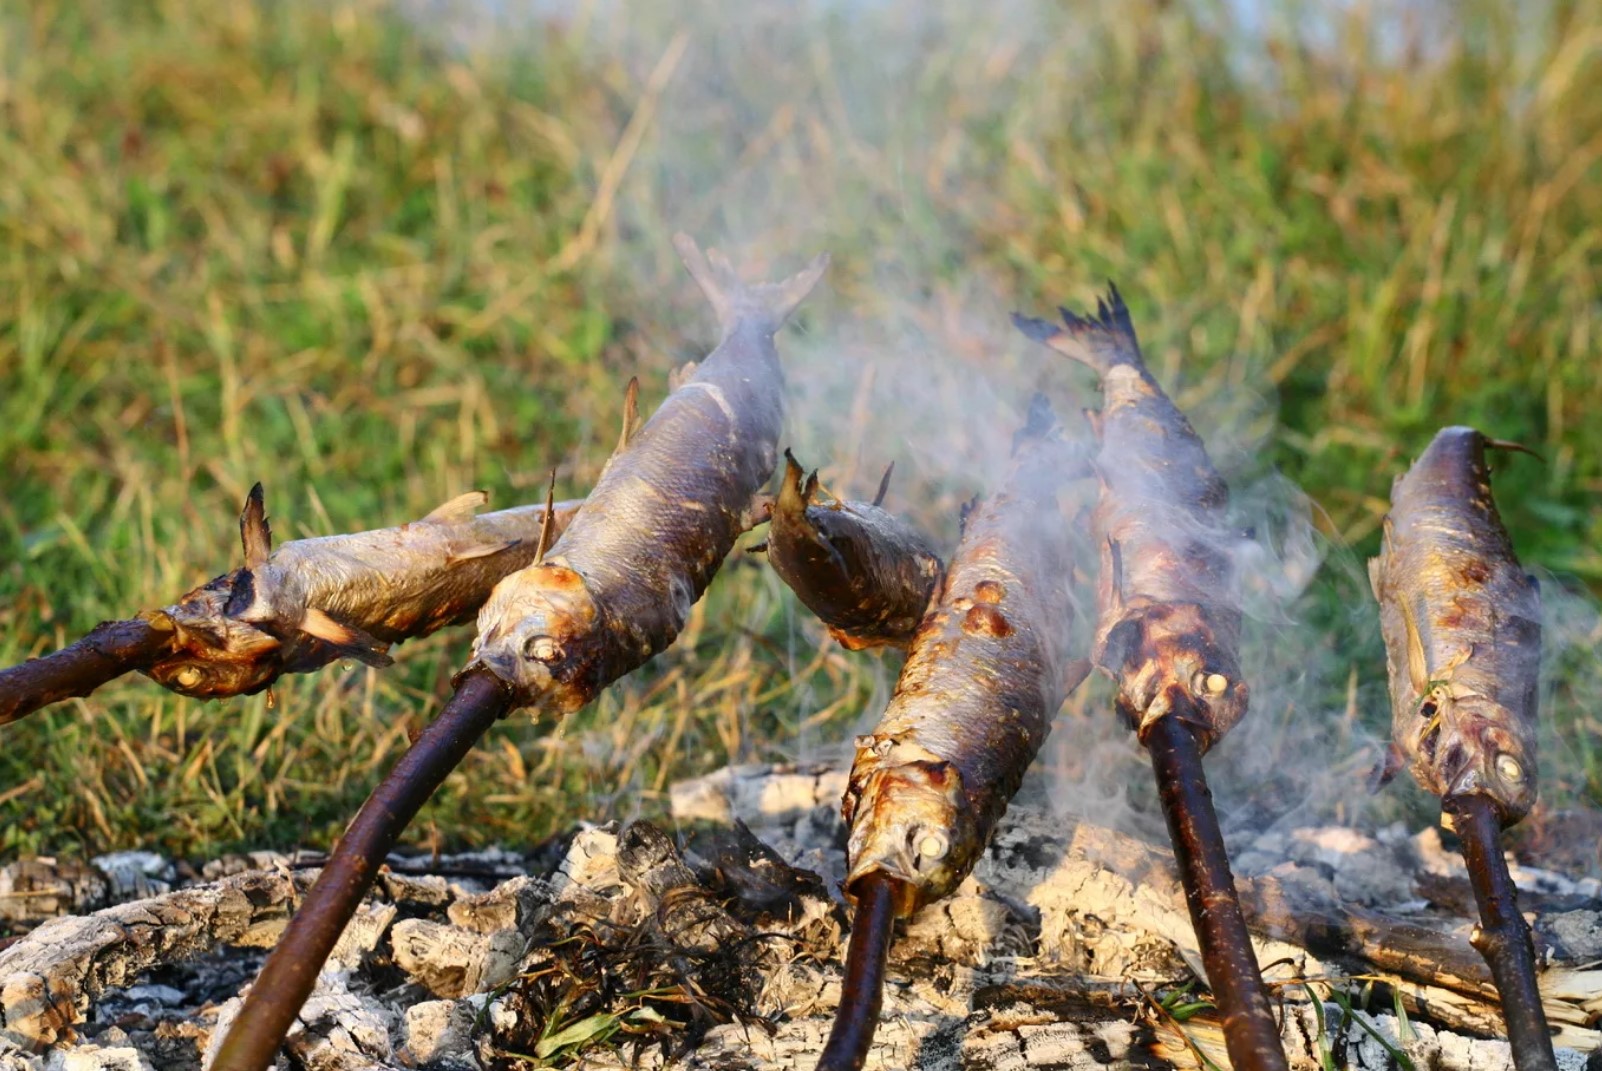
547 640
912 822
1477 757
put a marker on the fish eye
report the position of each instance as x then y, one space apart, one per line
929 844
189 676
542 649
1509 767
1204 683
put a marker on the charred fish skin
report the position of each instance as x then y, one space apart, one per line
867 574
670 503
1169 613
987 671
1462 626
314 601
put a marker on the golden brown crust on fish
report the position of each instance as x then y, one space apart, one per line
1462 626
1168 610
987 671
866 574
619 584
315 601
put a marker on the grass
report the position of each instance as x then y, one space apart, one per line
375 255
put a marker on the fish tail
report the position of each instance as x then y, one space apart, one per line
768 303
1101 340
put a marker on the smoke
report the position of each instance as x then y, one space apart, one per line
872 130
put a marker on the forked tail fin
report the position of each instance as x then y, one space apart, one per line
734 301
1100 341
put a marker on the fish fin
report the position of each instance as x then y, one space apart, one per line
350 641
816 490
479 550
631 413
458 510
1099 341
254 531
1418 669
1115 559
682 375
792 499
1121 644
1389 765
964 513
1040 422
1376 576
548 523
1507 444
1075 675
768 303
884 484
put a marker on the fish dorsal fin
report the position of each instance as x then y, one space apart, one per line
254 531
458 510
352 642
548 525
884 484
631 413
682 375
1418 669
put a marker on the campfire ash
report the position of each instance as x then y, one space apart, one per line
1069 947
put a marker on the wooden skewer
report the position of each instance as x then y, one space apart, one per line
1250 1031
286 980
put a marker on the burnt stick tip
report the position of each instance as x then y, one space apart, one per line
111 649
291 971
1502 936
862 992
1251 1033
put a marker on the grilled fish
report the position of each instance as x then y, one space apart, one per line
1169 613
618 585
314 601
1462 626
866 574
987 671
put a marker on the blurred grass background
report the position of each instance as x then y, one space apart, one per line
374 255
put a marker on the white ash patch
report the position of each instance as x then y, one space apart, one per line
1060 951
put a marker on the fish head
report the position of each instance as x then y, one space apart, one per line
217 654
912 822
1473 750
1176 657
540 633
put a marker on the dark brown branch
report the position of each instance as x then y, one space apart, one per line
862 991
112 649
1502 936
1250 1032
291 971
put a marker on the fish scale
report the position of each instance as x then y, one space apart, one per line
1462 627
670 503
